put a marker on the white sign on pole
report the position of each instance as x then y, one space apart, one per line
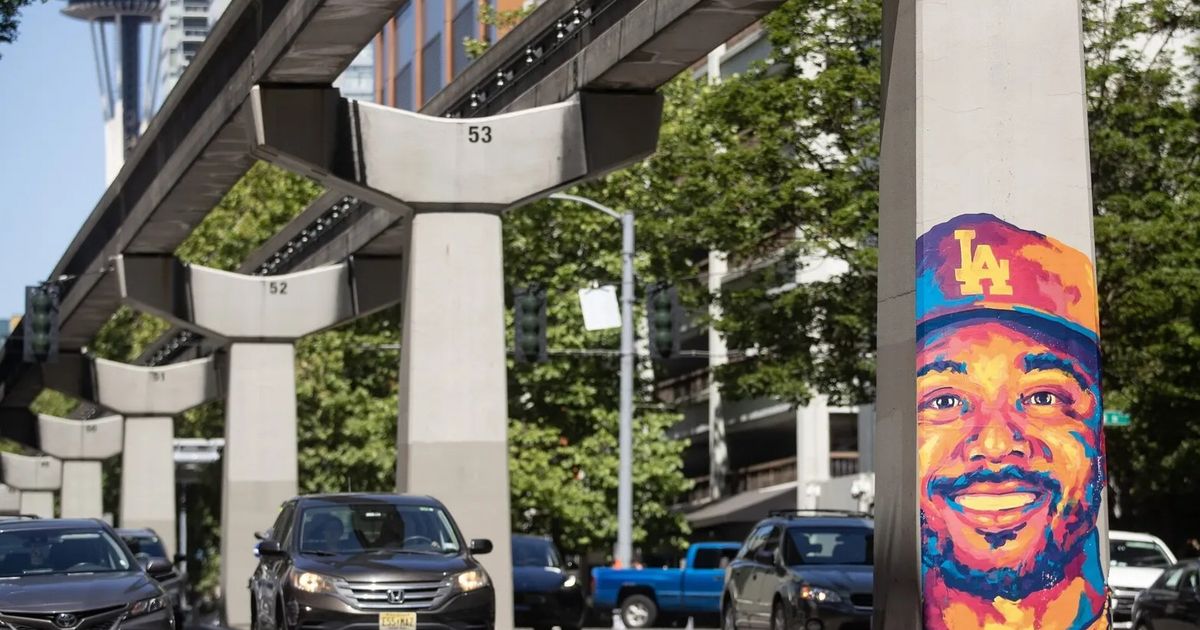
600 310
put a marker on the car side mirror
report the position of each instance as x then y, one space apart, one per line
481 546
260 535
270 548
158 568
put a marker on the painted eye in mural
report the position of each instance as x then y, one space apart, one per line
1042 399
944 401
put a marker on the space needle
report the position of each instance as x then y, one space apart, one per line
127 74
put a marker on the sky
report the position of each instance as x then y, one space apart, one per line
51 146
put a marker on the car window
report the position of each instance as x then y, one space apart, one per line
1137 553
369 527
713 558
283 523
60 551
830 545
771 543
1187 582
145 544
1170 579
754 542
534 552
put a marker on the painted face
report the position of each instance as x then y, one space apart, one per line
1008 457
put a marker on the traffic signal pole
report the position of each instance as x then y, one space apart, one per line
624 550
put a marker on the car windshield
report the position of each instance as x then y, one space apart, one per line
829 545
1136 553
60 551
145 544
351 529
534 552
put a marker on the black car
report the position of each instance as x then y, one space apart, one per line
803 569
58 574
145 545
1172 602
369 561
545 592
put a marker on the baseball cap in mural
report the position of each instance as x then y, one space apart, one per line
977 266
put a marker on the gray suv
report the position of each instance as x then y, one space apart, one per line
58 574
369 561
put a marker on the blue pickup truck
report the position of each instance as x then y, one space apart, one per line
642 595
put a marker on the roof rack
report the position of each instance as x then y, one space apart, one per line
818 512
16 517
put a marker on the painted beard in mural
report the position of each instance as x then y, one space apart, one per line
1010 450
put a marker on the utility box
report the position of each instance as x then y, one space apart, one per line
26 473
87 440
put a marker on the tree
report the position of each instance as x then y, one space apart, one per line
1144 127
10 12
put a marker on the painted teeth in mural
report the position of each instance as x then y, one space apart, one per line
1010 449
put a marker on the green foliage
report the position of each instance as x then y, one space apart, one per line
10 11
1144 127
501 20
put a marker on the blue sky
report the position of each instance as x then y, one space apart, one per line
52 136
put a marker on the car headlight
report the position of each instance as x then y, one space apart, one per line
313 582
819 595
147 606
570 582
472 580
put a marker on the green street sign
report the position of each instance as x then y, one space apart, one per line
1116 418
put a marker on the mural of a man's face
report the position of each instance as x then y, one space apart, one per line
1008 444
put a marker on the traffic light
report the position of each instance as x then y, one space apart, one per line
40 324
664 317
529 324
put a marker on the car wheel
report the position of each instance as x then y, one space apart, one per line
729 619
779 616
638 611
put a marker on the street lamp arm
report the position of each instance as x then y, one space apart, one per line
587 202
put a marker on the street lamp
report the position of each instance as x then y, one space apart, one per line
624 553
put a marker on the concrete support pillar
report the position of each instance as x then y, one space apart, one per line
452 178
866 438
148 477
990 470
82 445
718 448
39 503
82 491
36 477
10 500
439 451
812 449
260 470
262 316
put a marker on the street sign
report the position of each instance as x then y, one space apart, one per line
1114 418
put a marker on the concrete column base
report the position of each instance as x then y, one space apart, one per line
148 477
38 503
82 490
260 470
450 445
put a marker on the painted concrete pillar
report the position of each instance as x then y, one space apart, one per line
36 477
82 445
451 179
812 449
148 477
718 446
990 469
262 316
10 500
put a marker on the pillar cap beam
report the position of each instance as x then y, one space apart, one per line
31 473
244 307
407 161
90 440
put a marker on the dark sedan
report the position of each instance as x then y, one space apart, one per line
69 574
545 593
1172 602
146 545
359 561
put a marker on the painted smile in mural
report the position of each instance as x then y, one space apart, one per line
1010 451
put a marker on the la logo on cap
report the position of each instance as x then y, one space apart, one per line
979 265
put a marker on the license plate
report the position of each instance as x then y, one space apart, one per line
404 620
